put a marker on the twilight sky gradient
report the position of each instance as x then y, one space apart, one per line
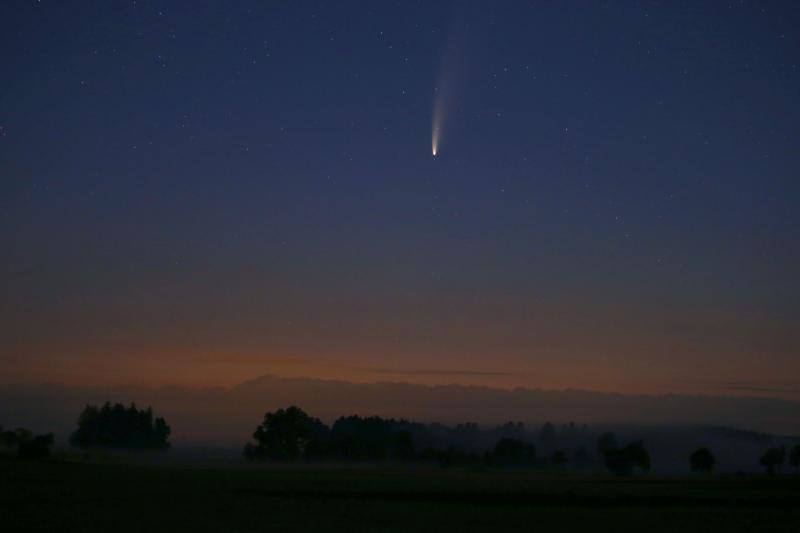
204 192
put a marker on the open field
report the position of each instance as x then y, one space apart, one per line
72 496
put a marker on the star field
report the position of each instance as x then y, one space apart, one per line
613 204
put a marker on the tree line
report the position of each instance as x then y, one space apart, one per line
107 426
291 435
117 426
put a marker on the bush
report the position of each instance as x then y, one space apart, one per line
513 452
624 461
25 445
773 459
36 448
702 460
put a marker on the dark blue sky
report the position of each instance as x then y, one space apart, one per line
202 192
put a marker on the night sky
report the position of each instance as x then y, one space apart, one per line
204 192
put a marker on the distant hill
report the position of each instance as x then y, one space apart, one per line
227 416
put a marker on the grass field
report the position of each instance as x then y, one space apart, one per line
74 496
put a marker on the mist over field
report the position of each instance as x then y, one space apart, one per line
226 417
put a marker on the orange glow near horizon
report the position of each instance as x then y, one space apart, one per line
182 368
501 340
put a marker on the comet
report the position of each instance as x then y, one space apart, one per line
440 106
444 94
438 119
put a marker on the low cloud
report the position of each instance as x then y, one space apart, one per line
439 372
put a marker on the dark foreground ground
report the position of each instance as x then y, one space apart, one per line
74 496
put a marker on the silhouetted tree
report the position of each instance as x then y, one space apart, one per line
559 458
468 428
547 436
452 456
161 431
8 439
288 435
513 452
606 442
623 461
373 438
512 430
25 445
12 439
794 457
114 426
581 457
773 459
37 447
402 445
468 435
702 460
